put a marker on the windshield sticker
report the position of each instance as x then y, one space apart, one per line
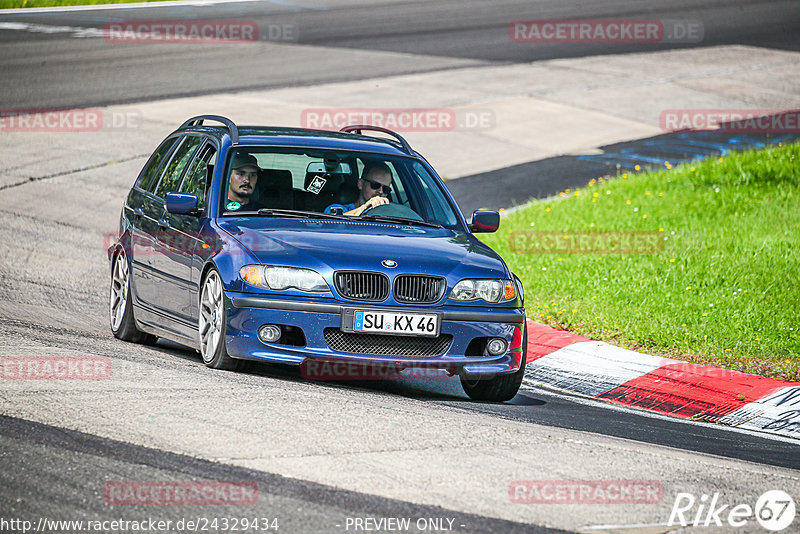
316 184
232 206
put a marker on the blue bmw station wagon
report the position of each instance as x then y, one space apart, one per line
293 246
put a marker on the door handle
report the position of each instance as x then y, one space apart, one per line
163 223
138 212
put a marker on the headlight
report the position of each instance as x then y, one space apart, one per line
280 278
488 290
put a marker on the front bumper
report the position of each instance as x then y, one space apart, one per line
247 312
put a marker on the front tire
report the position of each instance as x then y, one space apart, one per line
120 307
501 388
212 325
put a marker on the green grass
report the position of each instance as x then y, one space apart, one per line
725 288
7 4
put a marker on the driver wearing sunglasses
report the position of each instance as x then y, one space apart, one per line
374 187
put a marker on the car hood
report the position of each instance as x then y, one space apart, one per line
329 245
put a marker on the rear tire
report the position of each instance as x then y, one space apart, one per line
212 325
120 307
501 388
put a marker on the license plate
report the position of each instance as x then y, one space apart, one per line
413 324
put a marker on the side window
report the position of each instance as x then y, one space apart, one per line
150 174
171 178
432 203
199 173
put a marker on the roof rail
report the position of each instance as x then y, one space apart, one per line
357 128
198 121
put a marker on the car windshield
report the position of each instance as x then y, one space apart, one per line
291 182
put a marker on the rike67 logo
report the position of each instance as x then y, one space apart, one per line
774 510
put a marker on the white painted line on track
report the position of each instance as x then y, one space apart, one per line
76 31
140 5
619 527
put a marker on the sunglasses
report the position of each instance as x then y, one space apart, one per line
377 185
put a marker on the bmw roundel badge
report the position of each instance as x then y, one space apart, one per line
390 264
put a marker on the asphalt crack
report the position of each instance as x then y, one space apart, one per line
72 171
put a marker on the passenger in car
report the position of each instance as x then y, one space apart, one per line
242 183
374 187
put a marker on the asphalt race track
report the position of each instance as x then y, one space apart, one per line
320 454
420 35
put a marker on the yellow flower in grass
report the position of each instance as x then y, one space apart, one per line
547 209
644 216
672 260
660 229
594 200
647 192
595 195
624 174
637 168
705 314
628 202
688 287
661 194
574 310
667 164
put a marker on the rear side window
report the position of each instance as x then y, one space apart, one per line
171 179
149 177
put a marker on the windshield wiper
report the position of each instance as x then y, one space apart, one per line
270 212
401 220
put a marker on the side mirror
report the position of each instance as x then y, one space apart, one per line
182 204
484 221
